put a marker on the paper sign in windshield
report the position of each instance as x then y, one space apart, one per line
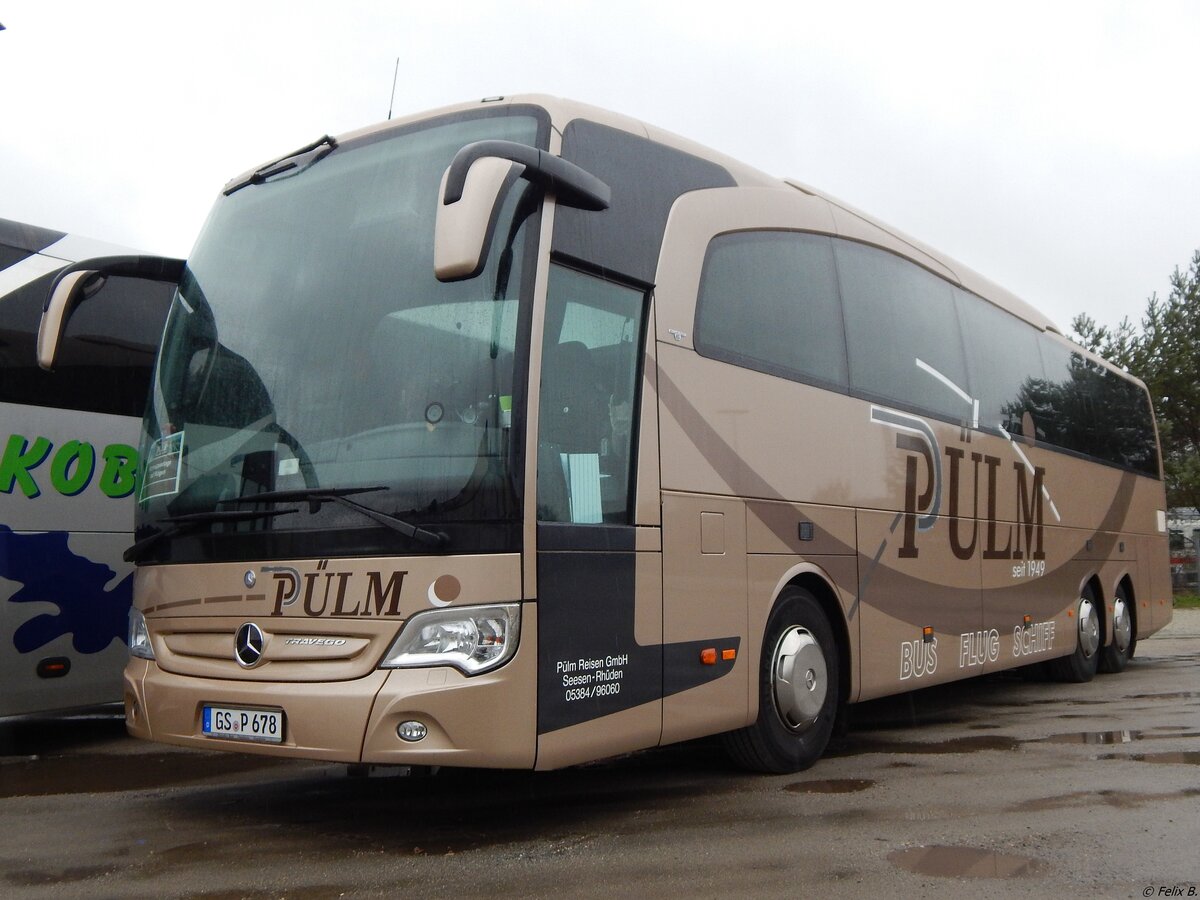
583 484
164 462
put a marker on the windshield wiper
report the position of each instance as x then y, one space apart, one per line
178 524
314 495
318 496
284 164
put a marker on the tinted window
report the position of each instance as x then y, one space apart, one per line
1064 403
26 237
768 301
106 355
902 332
646 177
1086 408
1003 356
11 255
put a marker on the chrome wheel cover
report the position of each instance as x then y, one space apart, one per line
1122 625
1089 628
799 679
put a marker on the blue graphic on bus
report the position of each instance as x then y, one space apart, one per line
51 573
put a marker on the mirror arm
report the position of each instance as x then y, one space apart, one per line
571 185
151 268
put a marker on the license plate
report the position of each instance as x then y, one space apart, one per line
241 724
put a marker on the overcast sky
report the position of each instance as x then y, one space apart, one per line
1052 146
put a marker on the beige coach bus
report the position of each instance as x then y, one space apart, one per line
521 434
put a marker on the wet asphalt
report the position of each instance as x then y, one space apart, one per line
995 787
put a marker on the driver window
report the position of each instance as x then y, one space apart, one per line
590 365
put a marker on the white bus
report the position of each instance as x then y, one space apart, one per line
521 434
69 461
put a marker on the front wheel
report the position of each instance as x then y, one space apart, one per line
799 691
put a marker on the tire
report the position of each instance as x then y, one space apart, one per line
1083 662
799 693
1115 657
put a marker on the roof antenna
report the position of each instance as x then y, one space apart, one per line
393 100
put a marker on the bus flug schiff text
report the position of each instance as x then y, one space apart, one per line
519 434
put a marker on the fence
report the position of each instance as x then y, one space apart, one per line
1184 565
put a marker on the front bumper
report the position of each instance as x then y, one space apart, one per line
486 720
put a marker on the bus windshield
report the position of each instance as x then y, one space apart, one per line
310 346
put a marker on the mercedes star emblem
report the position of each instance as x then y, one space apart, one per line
248 645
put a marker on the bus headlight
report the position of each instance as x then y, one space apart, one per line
139 636
472 639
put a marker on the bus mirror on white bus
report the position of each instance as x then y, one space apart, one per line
473 189
79 281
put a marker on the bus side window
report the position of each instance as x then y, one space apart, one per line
902 332
1005 366
590 355
769 301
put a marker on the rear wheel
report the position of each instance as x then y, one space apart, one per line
1116 655
799 692
1081 665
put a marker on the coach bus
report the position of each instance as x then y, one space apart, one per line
522 434
67 471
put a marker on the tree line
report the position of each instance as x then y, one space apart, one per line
1163 350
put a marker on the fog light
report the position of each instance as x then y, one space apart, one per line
411 731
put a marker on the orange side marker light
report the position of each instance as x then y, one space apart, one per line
708 656
728 655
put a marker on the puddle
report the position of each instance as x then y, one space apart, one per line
832 786
1184 758
1118 737
1178 695
1115 799
969 744
310 892
965 862
32 736
38 878
1021 702
90 773
1096 737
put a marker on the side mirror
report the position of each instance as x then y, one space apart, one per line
66 294
79 281
463 230
474 186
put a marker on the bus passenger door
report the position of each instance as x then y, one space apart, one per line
599 569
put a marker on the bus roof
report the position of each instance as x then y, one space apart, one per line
865 227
